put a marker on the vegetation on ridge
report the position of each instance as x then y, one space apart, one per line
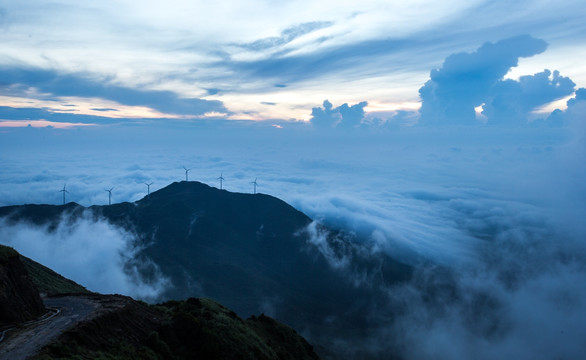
19 298
190 329
48 281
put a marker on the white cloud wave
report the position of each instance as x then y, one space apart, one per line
93 253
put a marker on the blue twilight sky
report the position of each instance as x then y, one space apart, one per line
100 62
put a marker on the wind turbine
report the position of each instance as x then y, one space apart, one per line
63 191
221 178
109 195
148 189
186 173
254 183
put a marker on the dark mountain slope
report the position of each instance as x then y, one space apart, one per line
43 214
19 298
48 282
248 251
122 328
251 252
21 282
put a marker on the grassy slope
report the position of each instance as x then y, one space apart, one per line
48 281
190 329
6 253
19 297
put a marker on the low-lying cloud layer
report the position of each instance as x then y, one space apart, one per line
93 253
499 209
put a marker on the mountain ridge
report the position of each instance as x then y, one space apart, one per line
251 252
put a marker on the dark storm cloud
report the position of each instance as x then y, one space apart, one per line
59 84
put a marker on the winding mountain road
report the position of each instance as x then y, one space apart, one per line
24 342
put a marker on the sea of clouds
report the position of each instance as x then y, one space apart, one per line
501 209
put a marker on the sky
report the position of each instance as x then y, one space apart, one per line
119 61
452 133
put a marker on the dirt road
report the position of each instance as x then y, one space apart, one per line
21 343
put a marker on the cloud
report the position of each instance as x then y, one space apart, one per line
289 34
573 115
343 117
180 48
353 60
580 96
44 114
93 253
40 123
491 216
104 109
512 101
53 84
521 301
497 214
468 80
326 117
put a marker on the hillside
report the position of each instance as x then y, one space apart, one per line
123 328
251 252
48 282
119 327
19 298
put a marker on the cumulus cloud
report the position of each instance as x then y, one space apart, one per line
574 114
93 253
512 101
342 117
468 80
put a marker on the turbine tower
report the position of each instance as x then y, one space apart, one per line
63 191
221 178
148 190
254 183
186 173
109 195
